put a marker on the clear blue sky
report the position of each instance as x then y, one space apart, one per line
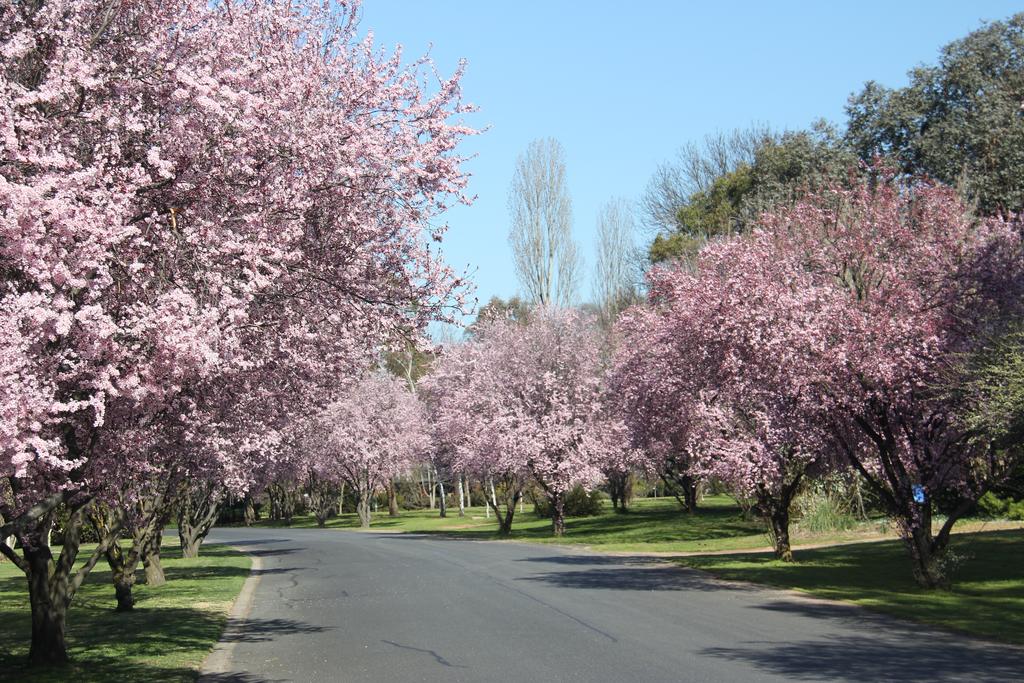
623 85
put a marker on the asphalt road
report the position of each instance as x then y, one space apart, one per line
347 606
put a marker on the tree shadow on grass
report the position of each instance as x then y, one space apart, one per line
145 633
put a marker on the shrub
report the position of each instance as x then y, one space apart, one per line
578 503
991 505
825 507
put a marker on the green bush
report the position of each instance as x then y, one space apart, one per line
578 503
991 505
87 533
824 508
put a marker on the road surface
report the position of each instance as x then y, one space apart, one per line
349 606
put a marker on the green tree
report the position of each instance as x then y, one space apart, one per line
497 308
960 121
782 167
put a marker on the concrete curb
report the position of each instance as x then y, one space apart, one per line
220 658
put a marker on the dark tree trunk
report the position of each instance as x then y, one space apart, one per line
122 565
392 500
927 559
510 501
558 513
322 499
774 508
149 551
197 512
52 584
779 521
505 521
49 609
928 552
442 499
684 488
620 490
250 510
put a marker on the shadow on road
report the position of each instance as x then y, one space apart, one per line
235 678
597 560
862 658
271 552
262 630
653 578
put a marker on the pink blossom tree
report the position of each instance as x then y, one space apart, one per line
524 402
915 284
371 435
713 371
175 176
833 333
653 391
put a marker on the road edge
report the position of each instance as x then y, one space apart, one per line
220 658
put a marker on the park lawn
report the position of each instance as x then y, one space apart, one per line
165 638
654 525
987 598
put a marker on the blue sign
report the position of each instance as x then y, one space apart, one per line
918 493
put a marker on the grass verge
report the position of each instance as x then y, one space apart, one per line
165 638
653 524
987 599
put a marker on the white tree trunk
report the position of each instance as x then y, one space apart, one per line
462 500
430 487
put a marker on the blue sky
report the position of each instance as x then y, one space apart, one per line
623 85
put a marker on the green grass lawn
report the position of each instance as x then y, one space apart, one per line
166 638
988 582
653 524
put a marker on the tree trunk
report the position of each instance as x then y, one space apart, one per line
430 487
49 608
927 558
442 499
122 570
392 500
122 565
197 511
149 550
462 499
363 508
321 499
558 513
250 510
684 488
689 485
505 521
774 508
52 584
779 520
